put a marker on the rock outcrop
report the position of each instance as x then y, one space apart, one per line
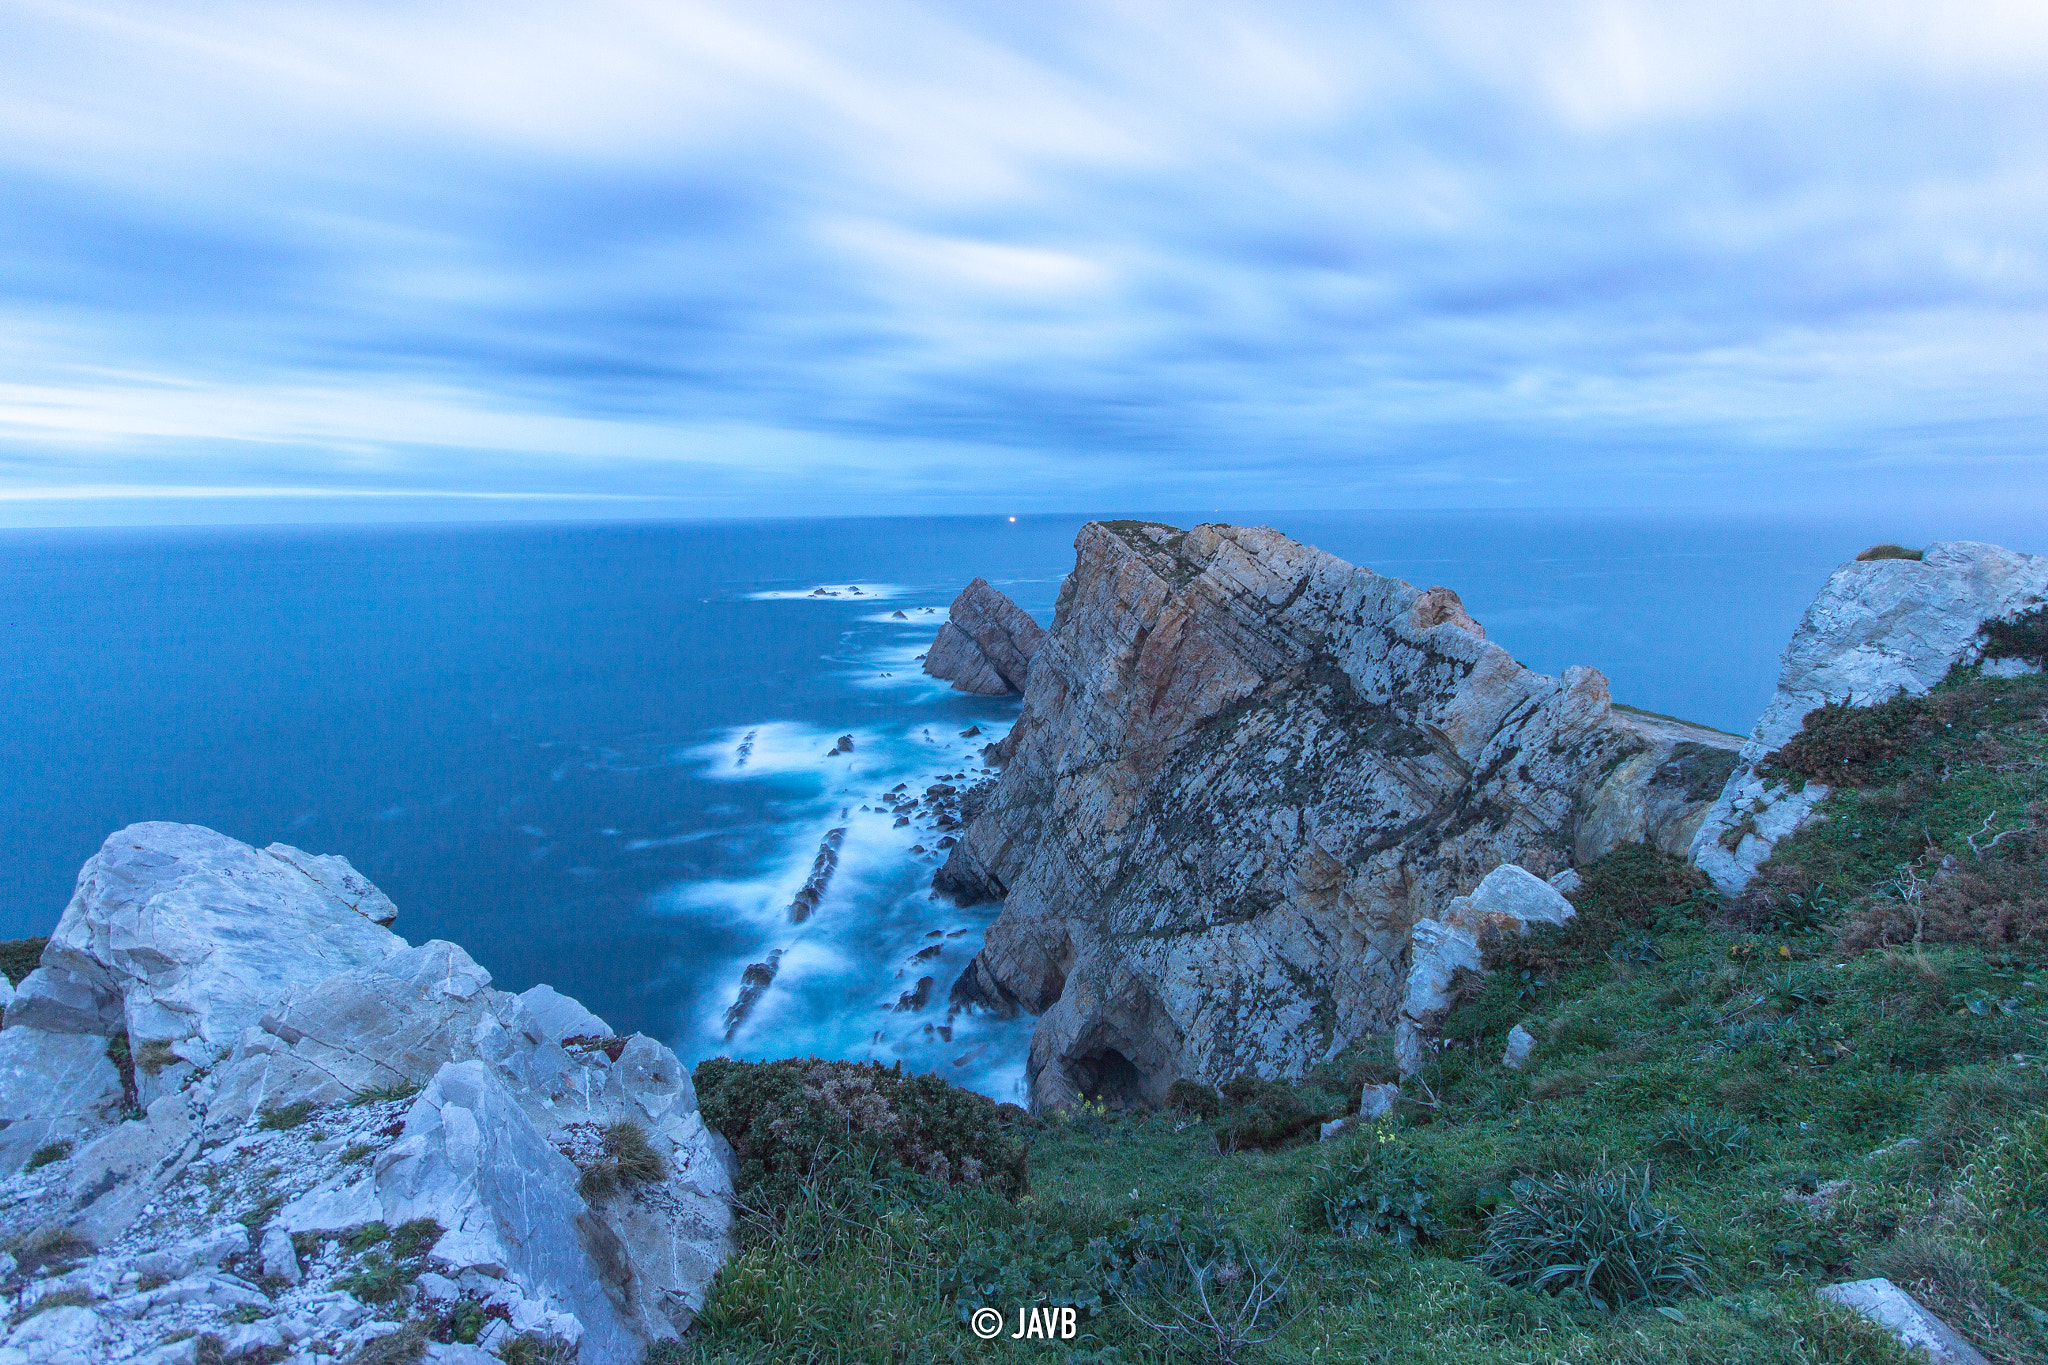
202 1000
1508 902
987 645
1244 769
1879 627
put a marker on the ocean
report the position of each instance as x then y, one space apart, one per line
606 756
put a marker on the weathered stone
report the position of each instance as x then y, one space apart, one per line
54 1087
281 1259
60 1336
176 932
1243 770
1521 1045
987 646
1877 628
1377 1100
1899 1313
1508 901
560 1017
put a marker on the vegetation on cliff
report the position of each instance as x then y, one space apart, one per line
1727 1105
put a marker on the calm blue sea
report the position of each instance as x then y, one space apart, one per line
531 736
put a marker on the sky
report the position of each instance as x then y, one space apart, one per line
691 258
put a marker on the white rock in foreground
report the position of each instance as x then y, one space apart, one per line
334 1015
1899 1313
1509 900
1879 627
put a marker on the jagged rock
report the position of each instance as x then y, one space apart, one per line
1521 1046
1878 628
1243 770
987 646
178 933
1377 1100
1507 902
560 1017
1899 1313
59 1336
505 1099
54 1087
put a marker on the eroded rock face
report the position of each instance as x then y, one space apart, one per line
987 645
1510 901
1877 628
517 1094
1243 770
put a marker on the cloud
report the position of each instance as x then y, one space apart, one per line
734 258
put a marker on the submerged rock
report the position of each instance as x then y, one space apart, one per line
1878 628
987 646
1243 770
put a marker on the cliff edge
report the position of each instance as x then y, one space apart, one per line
1244 769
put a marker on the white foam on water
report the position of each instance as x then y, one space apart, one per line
833 592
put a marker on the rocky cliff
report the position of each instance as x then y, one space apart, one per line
240 1110
1877 628
987 643
1244 769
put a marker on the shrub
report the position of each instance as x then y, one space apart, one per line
396 1090
2019 637
786 1119
1846 745
1704 1138
1634 887
47 1247
1263 1114
1378 1188
402 1347
285 1116
629 1160
20 956
1194 1099
47 1153
1597 1234
1890 551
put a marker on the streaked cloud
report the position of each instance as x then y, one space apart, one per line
715 258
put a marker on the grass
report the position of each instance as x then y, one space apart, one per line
1687 1156
47 1153
285 1116
20 956
1890 551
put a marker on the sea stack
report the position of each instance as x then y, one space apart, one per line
986 645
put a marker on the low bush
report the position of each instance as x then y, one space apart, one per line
1703 1138
629 1160
2022 637
47 1153
789 1119
1260 1115
1194 1099
1377 1187
285 1116
20 956
1888 550
1597 1234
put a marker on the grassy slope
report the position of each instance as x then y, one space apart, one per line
1823 1057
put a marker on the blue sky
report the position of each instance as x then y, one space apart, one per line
689 259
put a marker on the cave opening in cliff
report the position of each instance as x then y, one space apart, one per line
1106 1076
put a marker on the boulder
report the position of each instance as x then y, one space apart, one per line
1905 1317
177 933
987 645
1878 628
560 1017
1521 1045
1242 772
54 1087
1508 901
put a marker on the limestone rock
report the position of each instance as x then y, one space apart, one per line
560 1017
54 1087
1242 772
1899 1313
281 1260
1877 628
1521 1045
1508 901
987 645
1377 1100
176 932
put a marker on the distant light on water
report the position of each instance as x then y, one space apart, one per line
1012 518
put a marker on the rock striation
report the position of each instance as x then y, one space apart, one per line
1877 628
1243 771
987 645
202 999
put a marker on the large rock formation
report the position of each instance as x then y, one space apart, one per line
1879 627
1243 770
987 645
201 1000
